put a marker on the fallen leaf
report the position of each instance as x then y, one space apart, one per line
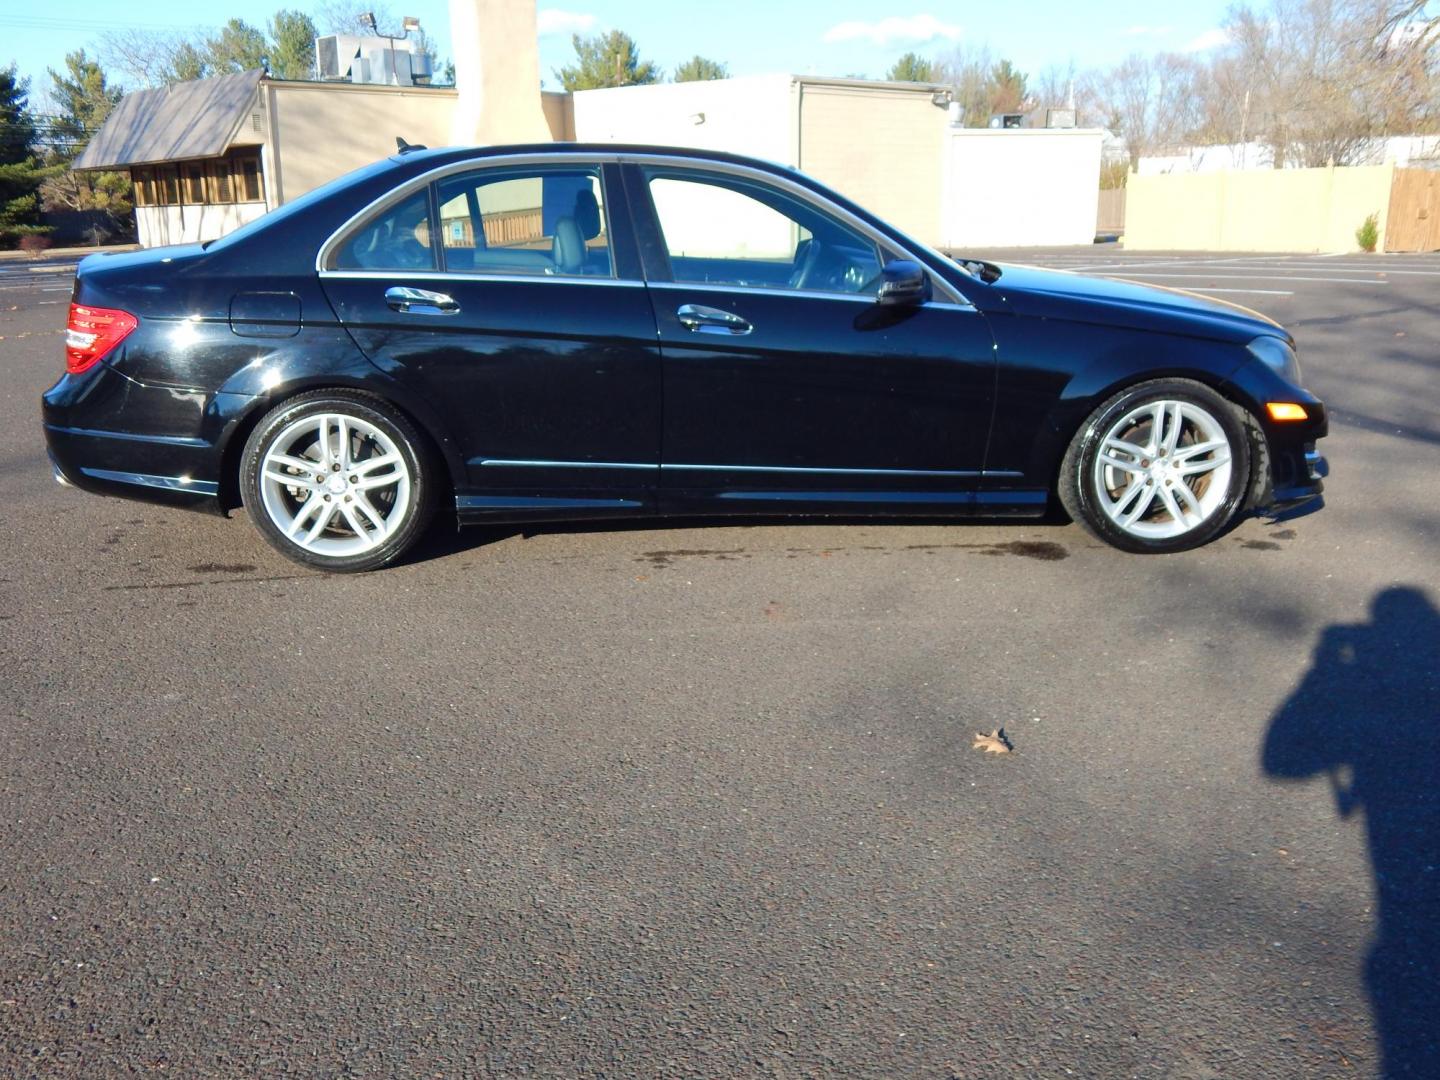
997 742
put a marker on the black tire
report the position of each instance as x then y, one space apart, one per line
410 504
1084 493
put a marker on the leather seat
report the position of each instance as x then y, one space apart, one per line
568 247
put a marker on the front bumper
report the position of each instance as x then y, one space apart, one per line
1297 484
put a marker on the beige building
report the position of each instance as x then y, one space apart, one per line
880 143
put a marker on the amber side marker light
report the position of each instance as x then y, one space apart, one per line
1286 410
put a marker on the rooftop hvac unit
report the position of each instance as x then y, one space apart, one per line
1059 118
1007 120
371 59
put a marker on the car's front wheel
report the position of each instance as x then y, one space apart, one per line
337 480
1162 466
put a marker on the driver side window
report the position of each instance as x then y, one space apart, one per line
720 230
396 239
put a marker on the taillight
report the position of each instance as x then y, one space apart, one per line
92 332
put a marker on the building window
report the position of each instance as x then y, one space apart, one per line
248 180
222 187
142 181
192 175
234 178
169 185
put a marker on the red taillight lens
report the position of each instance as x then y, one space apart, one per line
92 332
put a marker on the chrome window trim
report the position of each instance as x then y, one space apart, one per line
699 164
415 183
444 275
780 290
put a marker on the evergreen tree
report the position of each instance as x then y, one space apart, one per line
912 67
238 47
21 172
700 69
292 49
84 98
1008 88
606 60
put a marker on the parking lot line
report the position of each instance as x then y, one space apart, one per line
1138 273
1251 292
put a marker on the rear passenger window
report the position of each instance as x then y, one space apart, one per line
396 239
547 222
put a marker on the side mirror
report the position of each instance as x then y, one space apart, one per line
903 283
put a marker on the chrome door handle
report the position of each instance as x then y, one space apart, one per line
709 320
420 301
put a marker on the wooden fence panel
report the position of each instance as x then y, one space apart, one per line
1110 214
1413 223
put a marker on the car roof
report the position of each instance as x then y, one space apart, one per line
446 154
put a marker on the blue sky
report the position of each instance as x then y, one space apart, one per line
753 36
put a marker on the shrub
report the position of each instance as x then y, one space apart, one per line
35 243
1113 174
1368 234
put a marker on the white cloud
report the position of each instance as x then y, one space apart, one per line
1210 39
554 21
909 29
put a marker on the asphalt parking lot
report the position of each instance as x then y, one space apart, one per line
703 801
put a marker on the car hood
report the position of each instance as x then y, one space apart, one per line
1058 294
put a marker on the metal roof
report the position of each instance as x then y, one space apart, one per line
188 120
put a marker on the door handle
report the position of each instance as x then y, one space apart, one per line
709 320
420 301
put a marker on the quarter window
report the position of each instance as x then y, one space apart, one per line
720 230
398 238
544 221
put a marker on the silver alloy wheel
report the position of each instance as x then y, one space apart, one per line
335 485
1162 469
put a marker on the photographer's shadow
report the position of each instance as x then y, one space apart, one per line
1367 717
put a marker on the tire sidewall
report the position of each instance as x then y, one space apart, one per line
400 431
1079 466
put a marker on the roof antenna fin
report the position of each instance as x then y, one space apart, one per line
405 147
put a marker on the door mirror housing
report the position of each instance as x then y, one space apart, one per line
903 284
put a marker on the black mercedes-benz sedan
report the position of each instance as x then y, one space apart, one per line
568 331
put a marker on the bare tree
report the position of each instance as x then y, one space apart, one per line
149 58
1152 102
1056 87
1325 80
966 69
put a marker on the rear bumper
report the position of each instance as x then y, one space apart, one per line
90 450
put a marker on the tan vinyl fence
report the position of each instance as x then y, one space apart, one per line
1256 210
1414 218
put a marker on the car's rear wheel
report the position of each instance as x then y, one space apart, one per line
1162 466
337 480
